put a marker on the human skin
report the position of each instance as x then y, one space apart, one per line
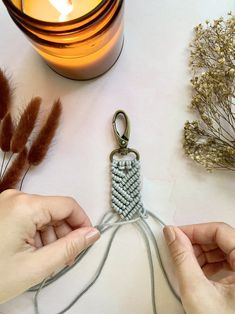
39 235
198 252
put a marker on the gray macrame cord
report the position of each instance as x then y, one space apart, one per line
126 189
127 208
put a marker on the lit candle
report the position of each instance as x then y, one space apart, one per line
58 10
79 39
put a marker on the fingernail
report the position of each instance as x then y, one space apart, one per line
169 234
92 235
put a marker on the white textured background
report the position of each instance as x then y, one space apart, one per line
151 82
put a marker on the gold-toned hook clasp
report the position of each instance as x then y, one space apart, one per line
122 140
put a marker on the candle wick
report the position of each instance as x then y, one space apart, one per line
64 7
63 17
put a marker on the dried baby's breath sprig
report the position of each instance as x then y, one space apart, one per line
211 140
206 149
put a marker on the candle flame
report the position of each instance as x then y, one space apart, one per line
64 7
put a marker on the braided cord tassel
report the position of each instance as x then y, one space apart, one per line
126 188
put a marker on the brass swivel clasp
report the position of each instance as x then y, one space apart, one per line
123 139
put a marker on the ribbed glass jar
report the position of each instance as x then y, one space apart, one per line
79 49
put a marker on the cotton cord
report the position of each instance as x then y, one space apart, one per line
102 227
151 267
118 223
126 188
128 207
35 299
105 225
106 218
157 251
90 284
157 219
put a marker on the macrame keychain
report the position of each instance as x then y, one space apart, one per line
127 208
126 183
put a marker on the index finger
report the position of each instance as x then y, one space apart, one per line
212 233
49 209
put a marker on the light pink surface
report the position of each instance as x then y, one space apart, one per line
150 82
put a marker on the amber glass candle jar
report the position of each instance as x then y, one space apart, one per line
81 48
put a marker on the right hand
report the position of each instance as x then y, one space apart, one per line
198 252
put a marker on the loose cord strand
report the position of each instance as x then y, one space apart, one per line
35 299
157 219
151 267
77 260
155 244
105 225
89 285
97 274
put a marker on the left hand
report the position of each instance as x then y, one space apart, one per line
39 235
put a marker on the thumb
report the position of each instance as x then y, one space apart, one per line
60 253
188 272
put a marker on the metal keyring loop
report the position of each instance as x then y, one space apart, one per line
127 151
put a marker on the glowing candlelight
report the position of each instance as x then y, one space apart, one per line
57 10
79 39
64 7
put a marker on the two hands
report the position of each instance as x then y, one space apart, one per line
40 235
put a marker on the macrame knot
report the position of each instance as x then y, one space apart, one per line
126 188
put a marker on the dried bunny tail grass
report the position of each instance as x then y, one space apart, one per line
26 125
5 95
15 172
43 140
6 133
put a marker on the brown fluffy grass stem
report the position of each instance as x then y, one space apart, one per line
44 138
5 95
13 175
26 125
6 133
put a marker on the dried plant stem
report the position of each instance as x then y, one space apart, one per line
7 164
23 178
2 165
